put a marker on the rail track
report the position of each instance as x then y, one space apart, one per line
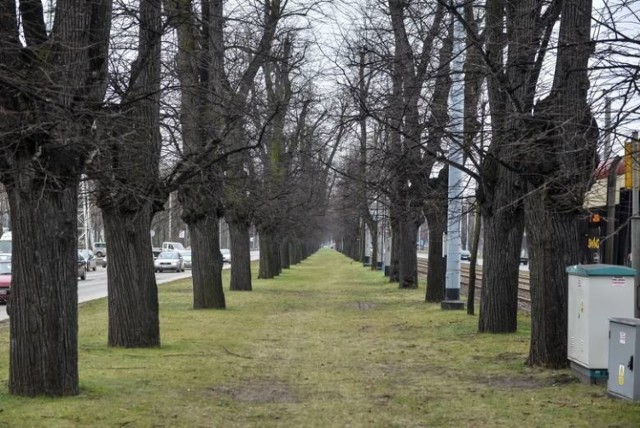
524 296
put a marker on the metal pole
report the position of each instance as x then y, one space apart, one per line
635 218
86 214
455 190
611 210
170 214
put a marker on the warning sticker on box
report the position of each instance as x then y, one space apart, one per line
618 281
623 337
621 374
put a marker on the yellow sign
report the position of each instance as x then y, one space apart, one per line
593 243
621 374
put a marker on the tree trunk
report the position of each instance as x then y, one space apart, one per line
284 253
296 252
207 263
436 273
559 160
408 254
133 292
44 299
394 265
373 228
553 245
269 257
471 292
241 257
503 230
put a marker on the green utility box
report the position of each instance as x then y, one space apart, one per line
596 293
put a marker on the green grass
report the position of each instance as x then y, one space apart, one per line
328 343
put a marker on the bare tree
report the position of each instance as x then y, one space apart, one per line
52 82
558 164
129 190
521 30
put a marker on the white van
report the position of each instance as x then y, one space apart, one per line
100 249
172 246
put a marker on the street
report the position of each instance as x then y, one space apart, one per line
95 286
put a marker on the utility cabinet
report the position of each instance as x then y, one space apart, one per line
595 294
624 348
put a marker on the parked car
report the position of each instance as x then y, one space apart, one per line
100 249
169 260
226 255
82 268
89 259
186 258
465 255
5 280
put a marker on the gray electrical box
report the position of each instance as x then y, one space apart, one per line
596 293
624 348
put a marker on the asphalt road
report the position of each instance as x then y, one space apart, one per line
95 286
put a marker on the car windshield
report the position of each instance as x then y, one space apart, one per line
5 268
86 254
167 255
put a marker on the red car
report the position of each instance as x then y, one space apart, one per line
5 280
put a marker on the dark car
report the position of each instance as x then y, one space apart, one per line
89 259
82 267
5 280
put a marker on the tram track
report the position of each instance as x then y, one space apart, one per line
524 295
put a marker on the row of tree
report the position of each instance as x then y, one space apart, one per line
225 104
144 99
530 64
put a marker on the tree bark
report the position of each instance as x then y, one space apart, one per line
553 245
207 263
394 265
373 229
503 230
437 223
408 254
133 292
471 292
269 255
284 254
240 256
44 299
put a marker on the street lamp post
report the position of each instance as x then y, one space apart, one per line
455 186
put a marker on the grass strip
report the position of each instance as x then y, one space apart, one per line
327 343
